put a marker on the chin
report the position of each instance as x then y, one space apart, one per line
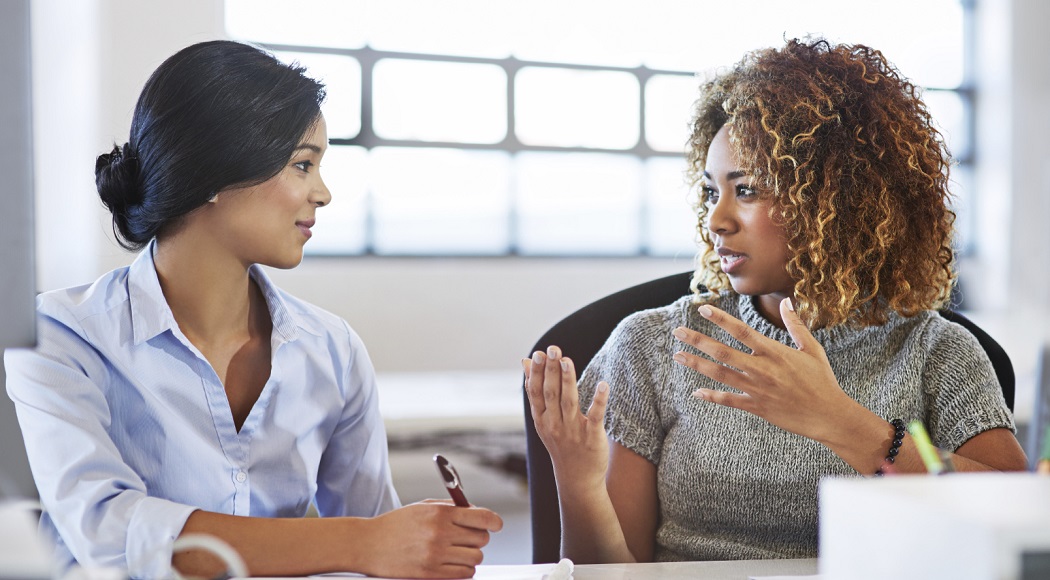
285 262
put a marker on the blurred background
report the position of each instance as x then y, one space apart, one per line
495 165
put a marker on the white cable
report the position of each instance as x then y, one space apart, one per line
235 566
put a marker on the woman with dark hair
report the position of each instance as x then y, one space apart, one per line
809 341
186 393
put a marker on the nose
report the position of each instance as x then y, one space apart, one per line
721 217
320 196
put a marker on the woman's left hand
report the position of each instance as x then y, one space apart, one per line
794 389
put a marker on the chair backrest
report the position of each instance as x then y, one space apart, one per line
581 334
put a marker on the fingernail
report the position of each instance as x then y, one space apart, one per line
525 364
564 364
700 394
791 305
679 357
603 386
537 357
552 351
705 311
679 333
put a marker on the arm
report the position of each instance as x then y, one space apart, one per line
602 490
424 540
103 510
796 390
429 539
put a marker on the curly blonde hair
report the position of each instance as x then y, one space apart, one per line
855 172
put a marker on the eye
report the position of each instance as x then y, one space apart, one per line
304 165
708 195
746 191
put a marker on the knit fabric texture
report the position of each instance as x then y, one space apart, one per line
733 486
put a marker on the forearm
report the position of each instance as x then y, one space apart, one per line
591 530
863 440
277 546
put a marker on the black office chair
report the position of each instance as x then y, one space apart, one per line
581 334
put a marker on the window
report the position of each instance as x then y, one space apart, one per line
495 127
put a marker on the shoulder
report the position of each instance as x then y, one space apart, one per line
657 320
931 332
318 322
72 306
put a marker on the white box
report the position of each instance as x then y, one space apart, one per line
972 526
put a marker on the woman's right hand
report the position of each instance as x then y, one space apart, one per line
429 539
577 442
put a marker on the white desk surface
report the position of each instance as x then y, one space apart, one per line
730 570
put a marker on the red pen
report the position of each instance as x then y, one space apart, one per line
451 479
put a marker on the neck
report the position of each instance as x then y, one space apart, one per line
211 295
768 305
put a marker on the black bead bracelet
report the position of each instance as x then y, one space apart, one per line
895 447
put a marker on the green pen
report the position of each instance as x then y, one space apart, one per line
927 451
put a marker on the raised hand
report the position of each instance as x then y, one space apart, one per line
794 389
576 441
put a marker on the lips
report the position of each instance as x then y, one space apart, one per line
304 227
730 259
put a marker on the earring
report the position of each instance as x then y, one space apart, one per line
214 198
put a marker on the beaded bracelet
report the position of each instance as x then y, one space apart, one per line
895 447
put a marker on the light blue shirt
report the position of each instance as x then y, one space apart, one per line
128 428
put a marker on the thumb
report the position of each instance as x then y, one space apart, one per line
596 412
796 328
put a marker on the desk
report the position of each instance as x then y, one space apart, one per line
731 570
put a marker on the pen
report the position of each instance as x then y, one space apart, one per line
452 481
927 451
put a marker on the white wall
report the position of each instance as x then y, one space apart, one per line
92 57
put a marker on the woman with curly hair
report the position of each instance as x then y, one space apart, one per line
825 248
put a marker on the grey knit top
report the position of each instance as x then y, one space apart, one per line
733 486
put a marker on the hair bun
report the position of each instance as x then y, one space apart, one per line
117 179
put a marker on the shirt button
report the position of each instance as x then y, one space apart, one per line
241 477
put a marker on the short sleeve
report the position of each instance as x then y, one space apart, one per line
630 365
963 394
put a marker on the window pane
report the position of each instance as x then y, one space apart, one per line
578 203
304 22
671 221
574 108
923 39
440 101
342 225
949 117
668 109
961 187
342 78
595 32
440 201
461 27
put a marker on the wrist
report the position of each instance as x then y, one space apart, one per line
863 439
349 544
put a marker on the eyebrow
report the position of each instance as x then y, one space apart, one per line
313 148
730 176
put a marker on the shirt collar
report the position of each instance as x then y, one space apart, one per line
151 315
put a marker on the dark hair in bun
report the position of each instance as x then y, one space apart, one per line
214 115
117 179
